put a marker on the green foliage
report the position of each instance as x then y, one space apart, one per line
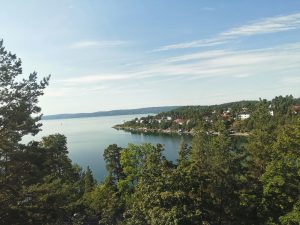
38 183
184 154
159 196
215 167
104 203
18 100
112 156
133 158
89 181
221 179
281 192
51 201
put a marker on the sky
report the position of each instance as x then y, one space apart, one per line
123 54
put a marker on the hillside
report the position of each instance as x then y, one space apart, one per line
148 110
237 117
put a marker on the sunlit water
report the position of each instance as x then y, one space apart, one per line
88 137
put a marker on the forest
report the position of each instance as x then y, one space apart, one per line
185 119
217 180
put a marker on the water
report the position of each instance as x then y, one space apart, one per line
88 137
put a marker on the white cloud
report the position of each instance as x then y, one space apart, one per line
55 92
208 8
277 61
268 25
193 44
293 80
98 44
198 55
63 91
282 59
264 26
94 78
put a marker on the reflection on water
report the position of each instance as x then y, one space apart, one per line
88 137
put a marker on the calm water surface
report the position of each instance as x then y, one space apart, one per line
88 137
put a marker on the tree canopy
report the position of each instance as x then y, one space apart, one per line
219 179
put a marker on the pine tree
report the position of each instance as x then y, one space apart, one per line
89 181
112 155
19 116
281 189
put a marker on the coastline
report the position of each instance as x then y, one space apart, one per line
167 131
149 130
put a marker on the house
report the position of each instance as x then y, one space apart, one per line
169 118
271 112
243 116
296 109
226 115
179 121
206 118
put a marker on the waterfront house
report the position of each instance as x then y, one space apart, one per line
296 109
243 116
179 121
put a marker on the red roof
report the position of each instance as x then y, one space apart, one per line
296 108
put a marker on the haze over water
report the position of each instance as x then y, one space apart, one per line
88 137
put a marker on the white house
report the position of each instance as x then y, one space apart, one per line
228 110
244 116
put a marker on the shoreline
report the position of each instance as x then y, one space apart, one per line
149 130
167 131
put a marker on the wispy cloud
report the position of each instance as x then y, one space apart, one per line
264 26
70 91
280 61
93 78
268 25
208 8
98 44
192 44
198 55
292 80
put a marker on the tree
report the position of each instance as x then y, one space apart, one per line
104 203
51 201
160 195
18 99
215 167
89 181
132 160
281 189
184 153
112 156
57 161
19 116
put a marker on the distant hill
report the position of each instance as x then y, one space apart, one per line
148 110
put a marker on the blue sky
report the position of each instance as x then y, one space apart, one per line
108 54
